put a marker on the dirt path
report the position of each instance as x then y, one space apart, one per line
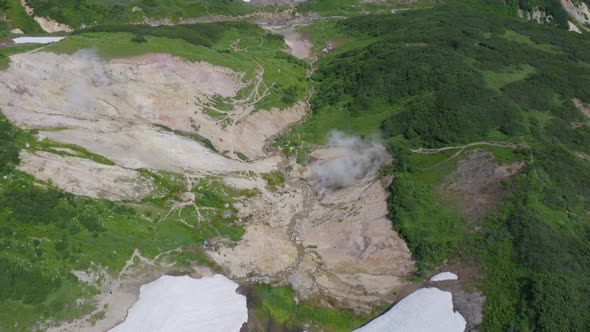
463 147
492 143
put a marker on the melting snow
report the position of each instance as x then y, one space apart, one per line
179 304
425 310
444 276
36 40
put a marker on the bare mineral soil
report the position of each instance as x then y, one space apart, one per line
467 299
476 184
584 108
337 247
341 246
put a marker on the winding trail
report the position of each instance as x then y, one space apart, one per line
463 147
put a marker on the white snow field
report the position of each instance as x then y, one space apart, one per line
444 276
425 310
36 40
178 304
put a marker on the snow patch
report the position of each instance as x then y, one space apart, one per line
179 304
425 310
444 276
36 40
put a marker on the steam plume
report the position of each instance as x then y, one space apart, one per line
91 75
354 159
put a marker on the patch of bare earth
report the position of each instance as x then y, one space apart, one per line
476 185
467 299
583 107
110 108
339 249
298 42
86 177
578 10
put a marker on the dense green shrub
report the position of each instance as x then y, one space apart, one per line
21 280
9 145
432 233
432 68
198 34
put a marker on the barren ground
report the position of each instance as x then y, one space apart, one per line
81 100
339 249
476 184
467 299
85 177
582 107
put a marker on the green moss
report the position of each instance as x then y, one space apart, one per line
274 179
278 304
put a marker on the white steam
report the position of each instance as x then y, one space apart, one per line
90 78
352 159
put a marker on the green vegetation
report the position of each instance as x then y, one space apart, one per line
76 12
47 233
499 79
196 34
64 149
10 137
16 17
192 135
90 12
8 51
354 7
525 40
274 179
276 306
423 219
459 73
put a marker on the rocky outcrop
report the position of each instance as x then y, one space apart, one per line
579 11
536 15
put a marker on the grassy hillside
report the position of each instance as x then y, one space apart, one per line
89 12
13 16
457 74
